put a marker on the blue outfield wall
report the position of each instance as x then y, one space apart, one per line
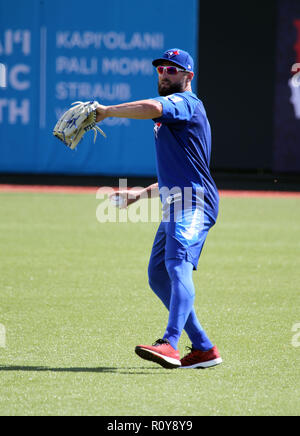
56 52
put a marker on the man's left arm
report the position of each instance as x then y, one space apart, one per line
130 196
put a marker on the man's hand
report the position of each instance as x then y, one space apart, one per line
123 199
130 196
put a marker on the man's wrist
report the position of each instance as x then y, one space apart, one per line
101 113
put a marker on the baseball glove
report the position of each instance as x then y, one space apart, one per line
75 122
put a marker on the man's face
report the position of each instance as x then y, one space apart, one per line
170 84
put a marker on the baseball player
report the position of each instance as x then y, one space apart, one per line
183 149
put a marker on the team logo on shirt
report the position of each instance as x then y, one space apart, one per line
157 126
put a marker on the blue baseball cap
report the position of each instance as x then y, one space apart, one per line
180 57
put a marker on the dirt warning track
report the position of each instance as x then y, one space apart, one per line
48 189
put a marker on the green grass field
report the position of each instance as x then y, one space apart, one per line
75 301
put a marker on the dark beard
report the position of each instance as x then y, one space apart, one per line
169 88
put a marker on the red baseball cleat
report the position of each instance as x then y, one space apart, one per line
160 352
201 359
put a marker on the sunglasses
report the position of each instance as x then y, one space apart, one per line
170 70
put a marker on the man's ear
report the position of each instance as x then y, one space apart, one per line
190 76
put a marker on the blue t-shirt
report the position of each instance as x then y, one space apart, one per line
183 149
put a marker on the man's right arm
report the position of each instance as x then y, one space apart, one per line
138 110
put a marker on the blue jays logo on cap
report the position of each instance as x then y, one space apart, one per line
180 57
171 53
